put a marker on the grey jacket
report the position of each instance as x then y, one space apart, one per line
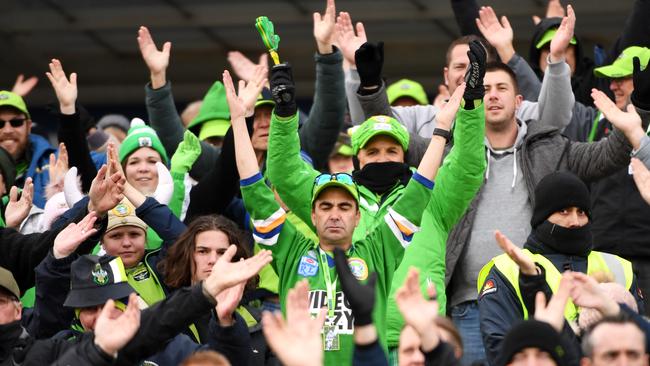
544 151
583 116
317 135
553 109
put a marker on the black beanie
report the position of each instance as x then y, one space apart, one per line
558 191
534 334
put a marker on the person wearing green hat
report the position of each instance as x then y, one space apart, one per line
334 202
341 157
30 152
213 119
406 93
620 73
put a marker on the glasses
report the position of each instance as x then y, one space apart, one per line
339 177
14 122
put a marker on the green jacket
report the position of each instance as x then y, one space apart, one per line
296 257
457 182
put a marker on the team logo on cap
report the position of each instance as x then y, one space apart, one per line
358 268
121 210
100 276
144 141
4 96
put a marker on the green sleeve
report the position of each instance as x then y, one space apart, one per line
461 174
403 220
291 176
270 227
176 203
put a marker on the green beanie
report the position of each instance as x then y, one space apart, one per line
141 135
378 125
213 108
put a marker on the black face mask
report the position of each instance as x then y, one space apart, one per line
576 241
9 336
380 177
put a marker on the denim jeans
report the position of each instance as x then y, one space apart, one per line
466 318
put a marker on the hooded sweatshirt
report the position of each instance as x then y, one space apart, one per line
504 205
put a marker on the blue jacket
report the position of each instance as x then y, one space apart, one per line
39 165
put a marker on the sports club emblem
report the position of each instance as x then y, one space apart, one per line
144 141
488 288
100 276
308 266
358 268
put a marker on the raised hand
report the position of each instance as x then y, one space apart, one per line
474 90
499 34
157 60
347 39
447 113
553 312
106 191
628 122
22 87
66 90
641 78
553 9
58 166
250 90
418 312
587 294
369 59
361 297
236 105
563 36
114 329
324 28
226 274
165 189
525 263
245 68
67 241
283 89
18 209
296 341
227 302
641 176
186 153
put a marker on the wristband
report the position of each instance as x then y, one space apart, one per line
444 133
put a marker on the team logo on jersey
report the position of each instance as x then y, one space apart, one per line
308 266
488 288
358 268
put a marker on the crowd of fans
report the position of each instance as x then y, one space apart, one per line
503 224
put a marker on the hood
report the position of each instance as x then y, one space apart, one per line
582 63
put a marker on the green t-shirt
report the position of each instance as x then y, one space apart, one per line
296 257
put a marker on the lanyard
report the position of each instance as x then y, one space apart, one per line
329 284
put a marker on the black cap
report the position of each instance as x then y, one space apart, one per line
7 168
556 192
94 280
534 334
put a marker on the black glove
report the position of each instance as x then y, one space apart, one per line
370 60
641 78
475 72
360 297
283 90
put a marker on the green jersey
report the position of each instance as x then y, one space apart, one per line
296 257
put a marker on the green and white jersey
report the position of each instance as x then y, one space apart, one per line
296 257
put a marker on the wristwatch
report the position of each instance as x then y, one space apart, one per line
444 133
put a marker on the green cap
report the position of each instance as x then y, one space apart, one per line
548 36
378 125
217 127
407 88
265 98
341 180
623 67
343 145
10 99
214 107
140 135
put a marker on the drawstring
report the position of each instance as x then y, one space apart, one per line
514 168
487 157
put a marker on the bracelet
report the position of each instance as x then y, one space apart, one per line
443 133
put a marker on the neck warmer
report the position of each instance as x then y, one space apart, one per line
576 241
10 335
381 177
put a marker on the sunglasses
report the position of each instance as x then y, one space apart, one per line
339 177
15 122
